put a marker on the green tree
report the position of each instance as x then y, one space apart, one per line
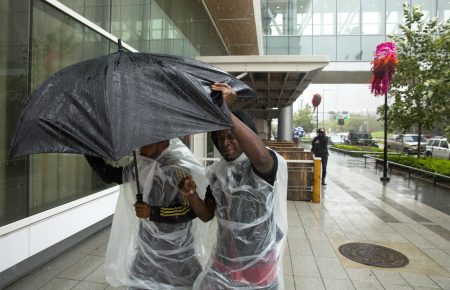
304 118
420 86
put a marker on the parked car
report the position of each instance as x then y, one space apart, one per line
406 143
438 147
364 139
335 139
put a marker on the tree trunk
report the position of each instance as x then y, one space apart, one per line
418 141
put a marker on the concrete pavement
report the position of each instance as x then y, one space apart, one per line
406 215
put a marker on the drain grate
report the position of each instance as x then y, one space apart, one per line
374 255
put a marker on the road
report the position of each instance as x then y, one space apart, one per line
425 192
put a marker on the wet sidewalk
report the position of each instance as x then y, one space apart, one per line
408 216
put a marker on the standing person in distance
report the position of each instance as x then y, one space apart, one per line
320 149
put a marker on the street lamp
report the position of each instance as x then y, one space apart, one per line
385 178
384 65
323 107
316 102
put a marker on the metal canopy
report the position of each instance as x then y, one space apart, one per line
277 80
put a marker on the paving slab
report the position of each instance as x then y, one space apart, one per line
409 216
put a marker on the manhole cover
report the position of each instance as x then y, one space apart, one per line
374 255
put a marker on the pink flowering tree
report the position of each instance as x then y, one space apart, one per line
384 66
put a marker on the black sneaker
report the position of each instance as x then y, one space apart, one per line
323 183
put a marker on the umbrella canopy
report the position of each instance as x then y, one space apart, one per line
111 105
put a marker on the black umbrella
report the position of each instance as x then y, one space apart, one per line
111 105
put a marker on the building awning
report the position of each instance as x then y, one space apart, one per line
238 23
278 80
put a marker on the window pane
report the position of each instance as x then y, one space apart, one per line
294 45
394 16
304 17
324 17
373 17
274 17
348 48
443 10
173 27
369 45
348 14
306 45
59 41
130 21
428 8
96 11
277 45
300 45
14 23
325 45
286 17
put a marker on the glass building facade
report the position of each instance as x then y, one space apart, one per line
37 39
346 30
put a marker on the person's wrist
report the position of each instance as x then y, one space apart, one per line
190 193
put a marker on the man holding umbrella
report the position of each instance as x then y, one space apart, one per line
107 107
247 194
159 252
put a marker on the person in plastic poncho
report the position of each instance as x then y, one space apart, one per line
160 249
247 194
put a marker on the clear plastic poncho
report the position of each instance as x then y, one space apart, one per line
142 254
252 227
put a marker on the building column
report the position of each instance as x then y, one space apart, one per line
199 145
285 124
262 129
292 18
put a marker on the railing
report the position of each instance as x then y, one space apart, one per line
354 151
409 168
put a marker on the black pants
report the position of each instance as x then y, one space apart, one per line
324 167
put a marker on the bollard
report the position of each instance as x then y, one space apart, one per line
316 183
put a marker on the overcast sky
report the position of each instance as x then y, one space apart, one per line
353 98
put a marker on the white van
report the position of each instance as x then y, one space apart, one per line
438 148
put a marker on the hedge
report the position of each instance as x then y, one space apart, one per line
435 165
